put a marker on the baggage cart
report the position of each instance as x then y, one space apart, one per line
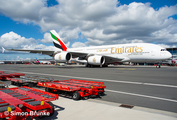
30 81
25 103
1 72
4 76
77 88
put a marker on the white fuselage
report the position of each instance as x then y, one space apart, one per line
1 62
136 52
45 62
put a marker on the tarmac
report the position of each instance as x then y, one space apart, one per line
95 109
91 109
68 109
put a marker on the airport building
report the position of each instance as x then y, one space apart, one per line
173 51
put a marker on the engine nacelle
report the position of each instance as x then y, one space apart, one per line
63 57
96 60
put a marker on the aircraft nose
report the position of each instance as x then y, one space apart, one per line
169 55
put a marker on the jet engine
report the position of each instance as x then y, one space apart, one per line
63 57
96 60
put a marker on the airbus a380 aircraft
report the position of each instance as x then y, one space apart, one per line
102 55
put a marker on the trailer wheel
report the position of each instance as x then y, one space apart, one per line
28 118
12 83
30 85
41 117
76 95
102 94
51 104
47 89
19 84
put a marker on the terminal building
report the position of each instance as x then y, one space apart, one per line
173 60
173 51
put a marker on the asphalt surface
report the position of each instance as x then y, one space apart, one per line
140 86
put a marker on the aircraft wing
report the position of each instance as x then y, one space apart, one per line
115 58
108 58
46 52
78 54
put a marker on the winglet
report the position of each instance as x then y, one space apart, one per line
3 50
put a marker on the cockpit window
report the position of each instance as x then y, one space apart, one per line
163 50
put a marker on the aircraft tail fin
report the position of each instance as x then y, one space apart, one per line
37 61
57 41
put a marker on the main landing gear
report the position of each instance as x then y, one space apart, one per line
89 65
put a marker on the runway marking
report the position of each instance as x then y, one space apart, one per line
139 95
131 69
126 69
121 68
105 80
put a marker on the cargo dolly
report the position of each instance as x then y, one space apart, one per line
1 72
4 76
30 81
77 88
25 103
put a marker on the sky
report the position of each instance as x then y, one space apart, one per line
25 24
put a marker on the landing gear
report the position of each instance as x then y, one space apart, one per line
89 65
158 66
105 65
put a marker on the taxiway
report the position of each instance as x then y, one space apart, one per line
139 86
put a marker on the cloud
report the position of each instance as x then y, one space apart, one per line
24 11
13 40
102 22
47 38
165 46
78 44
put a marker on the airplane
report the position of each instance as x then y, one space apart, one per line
42 62
172 61
1 62
104 55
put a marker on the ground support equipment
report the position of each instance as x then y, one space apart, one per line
77 88
25 103
4 76
30 81
1 72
